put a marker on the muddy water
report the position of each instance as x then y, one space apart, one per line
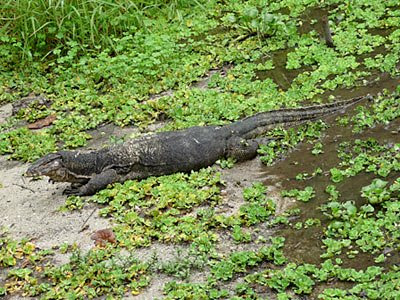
304 246
373 84
280 75
311 20
376 84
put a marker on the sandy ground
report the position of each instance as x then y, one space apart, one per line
30 209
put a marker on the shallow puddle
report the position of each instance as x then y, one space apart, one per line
376 84
280 75
304 246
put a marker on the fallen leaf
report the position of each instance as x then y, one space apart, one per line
102 236
43 122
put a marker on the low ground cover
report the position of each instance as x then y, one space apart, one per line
134 63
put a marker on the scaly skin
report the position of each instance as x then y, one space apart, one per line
169 152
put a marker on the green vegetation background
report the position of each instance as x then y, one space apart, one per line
104 61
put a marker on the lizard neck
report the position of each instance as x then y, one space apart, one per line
79 162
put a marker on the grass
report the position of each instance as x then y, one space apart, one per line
110 62
44 27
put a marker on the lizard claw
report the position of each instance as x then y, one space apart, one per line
76 190
70 191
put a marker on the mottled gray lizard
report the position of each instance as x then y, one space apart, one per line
172 151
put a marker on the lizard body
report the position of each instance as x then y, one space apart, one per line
169 152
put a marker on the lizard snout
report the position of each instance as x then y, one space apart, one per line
45 165
30 173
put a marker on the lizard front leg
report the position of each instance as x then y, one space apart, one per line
95 184
243 149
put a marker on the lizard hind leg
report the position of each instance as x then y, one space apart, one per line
244 149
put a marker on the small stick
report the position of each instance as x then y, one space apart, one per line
327 32
24 187
83 227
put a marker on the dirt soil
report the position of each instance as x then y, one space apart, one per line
31 209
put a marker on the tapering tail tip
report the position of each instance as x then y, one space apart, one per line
369 97
343 105
347 103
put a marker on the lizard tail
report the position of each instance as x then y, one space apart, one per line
290 115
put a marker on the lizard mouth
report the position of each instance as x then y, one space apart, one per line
45 165
32 172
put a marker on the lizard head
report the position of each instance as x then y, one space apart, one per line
50 165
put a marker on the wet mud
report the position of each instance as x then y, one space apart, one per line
36 214
304 246
280 75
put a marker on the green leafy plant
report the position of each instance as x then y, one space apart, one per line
376 192
195 63
301 195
